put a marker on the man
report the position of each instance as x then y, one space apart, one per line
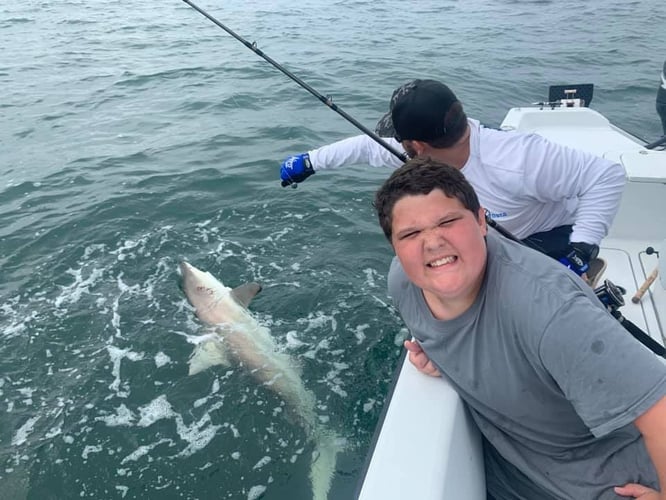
558 200
569 404
661 99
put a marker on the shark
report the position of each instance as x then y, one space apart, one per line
239 339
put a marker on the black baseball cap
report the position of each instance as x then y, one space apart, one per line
418 111
384 126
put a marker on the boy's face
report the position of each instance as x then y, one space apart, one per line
440 245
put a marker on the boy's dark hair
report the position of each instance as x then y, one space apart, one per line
419 176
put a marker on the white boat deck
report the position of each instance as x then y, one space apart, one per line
641 220
629 267
440 458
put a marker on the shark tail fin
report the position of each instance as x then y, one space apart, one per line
322 468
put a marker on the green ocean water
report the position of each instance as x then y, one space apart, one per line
135 135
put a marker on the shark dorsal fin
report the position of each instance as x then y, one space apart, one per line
245 293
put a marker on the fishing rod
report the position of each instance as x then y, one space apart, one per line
327 100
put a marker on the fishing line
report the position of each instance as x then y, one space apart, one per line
327 100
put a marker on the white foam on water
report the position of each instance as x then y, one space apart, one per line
221 252
158 409
333 380
91 249
323 344
90 449
142 451
255 492
123 416
53 432
124 289
400 337
27 393
359 333
161 359
17 324
197 435
261 463
24 431
122 489
296 454
369 405
72 294
214 389
381 302
370 277
292 340
319 320
339 391
232 428
126 248
117 356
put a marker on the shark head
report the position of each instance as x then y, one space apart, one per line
214 302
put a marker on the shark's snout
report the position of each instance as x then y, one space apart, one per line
186 268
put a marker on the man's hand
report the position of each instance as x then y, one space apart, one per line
296 169
419 359
634 490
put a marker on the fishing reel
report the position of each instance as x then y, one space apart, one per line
610 295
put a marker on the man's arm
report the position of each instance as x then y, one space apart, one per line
560 173
652 426
360 149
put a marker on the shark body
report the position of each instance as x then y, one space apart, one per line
242 340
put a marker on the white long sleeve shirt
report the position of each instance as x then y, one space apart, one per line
527 183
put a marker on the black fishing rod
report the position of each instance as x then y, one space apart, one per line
328 101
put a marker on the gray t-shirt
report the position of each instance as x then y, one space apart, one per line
552 380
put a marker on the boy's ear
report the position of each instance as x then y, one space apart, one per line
482 220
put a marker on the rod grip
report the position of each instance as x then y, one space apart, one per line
644 287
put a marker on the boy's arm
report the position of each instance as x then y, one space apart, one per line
652 426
